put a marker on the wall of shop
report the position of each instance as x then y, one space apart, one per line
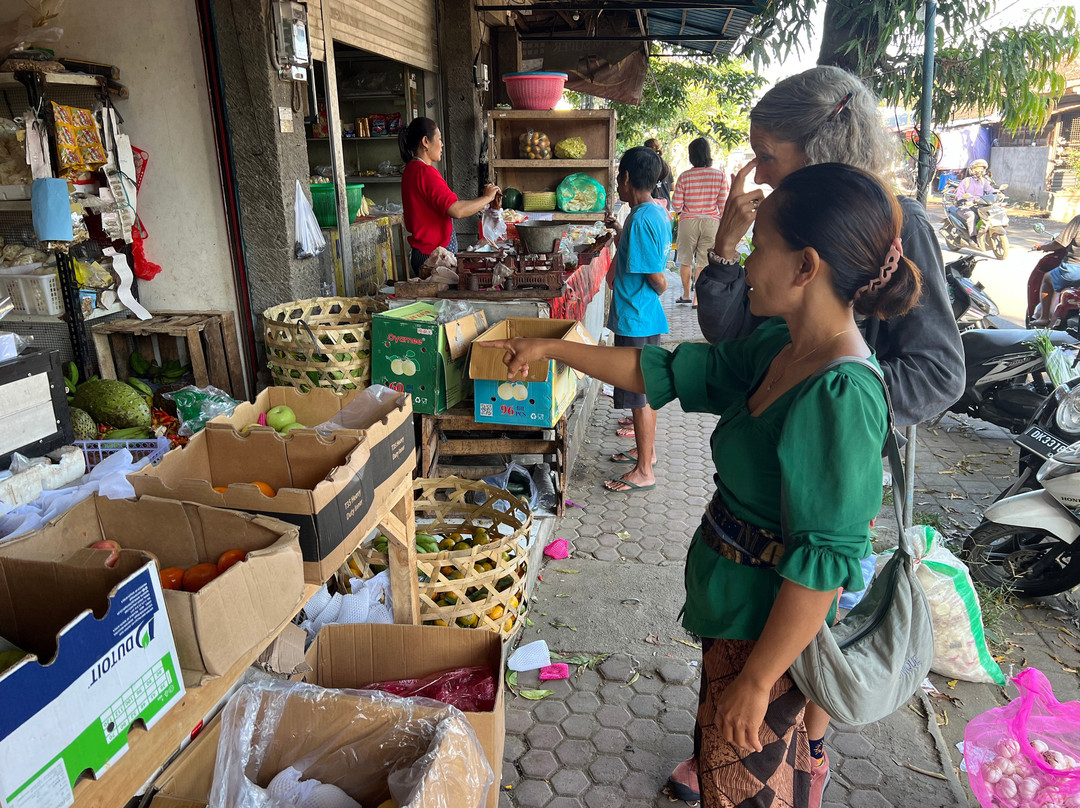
157 47
1025 169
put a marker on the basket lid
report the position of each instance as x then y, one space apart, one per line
532 74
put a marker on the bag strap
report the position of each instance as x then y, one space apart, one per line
892 450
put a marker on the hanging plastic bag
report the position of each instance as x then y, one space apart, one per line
492 225
580 193
1025 753
309 237
960 650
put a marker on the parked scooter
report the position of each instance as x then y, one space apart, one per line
971 305
990 223
1066 313
1006 379
1028 542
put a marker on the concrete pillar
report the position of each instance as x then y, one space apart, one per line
506 47
268 161
459 40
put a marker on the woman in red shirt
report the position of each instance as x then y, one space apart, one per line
429 203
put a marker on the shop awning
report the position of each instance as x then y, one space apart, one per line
710 27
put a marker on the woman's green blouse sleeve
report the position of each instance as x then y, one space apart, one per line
699 375
830 462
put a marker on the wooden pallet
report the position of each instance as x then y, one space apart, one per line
206 340
456 434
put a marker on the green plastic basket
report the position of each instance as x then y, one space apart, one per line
324 203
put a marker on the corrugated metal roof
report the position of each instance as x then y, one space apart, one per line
719 27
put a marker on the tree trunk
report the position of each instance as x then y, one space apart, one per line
838 31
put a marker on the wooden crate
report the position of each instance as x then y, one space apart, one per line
206 340
456 434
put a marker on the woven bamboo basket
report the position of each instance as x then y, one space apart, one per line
445 506
321 342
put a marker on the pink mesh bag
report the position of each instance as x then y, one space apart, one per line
1025 754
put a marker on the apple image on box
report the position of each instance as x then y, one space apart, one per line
280 417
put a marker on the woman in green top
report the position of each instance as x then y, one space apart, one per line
826 247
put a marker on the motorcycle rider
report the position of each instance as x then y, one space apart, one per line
1066 274
972 188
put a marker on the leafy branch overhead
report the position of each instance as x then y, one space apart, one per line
979 64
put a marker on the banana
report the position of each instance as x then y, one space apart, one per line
140 386
130 433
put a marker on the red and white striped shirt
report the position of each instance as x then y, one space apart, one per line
700 193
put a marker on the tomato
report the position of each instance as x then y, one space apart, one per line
199 576
172 578
228 558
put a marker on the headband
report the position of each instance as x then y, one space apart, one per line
892 258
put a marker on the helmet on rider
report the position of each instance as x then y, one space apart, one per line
978 167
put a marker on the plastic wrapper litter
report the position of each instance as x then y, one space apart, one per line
580 193
360 747
471 690
1026 752
960 650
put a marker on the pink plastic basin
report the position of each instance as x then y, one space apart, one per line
534 90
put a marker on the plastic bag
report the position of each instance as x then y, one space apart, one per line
522 476
580 193
11 345
571 148
370 745
468 689
960 650
309 237
197 405
1025 752
494 228
368 407
533 145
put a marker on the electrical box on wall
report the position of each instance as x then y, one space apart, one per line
291 39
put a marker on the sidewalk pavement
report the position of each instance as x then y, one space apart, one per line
610 735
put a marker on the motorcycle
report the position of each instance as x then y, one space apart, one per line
1028 542
1066 313
971 306
1055 425
1006 378
990 223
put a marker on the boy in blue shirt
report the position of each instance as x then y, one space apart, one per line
637 317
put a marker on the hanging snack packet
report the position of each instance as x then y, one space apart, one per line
78 141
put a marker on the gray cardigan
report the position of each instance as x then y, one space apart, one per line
920 353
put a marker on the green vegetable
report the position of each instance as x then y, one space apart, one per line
113 402
82 425
139 364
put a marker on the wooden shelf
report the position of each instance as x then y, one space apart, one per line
366 180
150 751
554 163
387 138
77 79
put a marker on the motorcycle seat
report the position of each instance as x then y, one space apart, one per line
984 344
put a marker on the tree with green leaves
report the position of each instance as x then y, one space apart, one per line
687 96
1013 70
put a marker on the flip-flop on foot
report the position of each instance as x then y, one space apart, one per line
625 457
632 487
626 432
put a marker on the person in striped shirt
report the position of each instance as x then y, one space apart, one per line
699 198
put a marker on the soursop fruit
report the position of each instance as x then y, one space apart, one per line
82 425
113 402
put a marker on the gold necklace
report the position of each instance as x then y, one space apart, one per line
800 358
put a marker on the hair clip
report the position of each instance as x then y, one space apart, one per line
840 107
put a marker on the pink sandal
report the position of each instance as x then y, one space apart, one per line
626 432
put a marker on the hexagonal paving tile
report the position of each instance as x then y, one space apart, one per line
606 554
510 775
851 745
612 693
677 721
569 782
589 681
544 736
868 799
575 754
514 747
517 721
645 706
578 726
604 797
539 763
550 711
861 772
649 685
608 769
583 702
613 715
685 696
532 794
640 785
643 761
651 557
610 742
564 802
643 729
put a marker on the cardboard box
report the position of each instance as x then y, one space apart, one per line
307 726
546 392
103 659
222 622
353 656
414 354
326 488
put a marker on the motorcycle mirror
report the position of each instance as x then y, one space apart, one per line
1003 186
1039 227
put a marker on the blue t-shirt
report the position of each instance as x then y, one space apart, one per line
636 310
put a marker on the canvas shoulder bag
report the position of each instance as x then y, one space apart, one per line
871 663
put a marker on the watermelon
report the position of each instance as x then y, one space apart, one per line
512 199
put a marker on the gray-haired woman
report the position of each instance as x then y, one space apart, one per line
824 115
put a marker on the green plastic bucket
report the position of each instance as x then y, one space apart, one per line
324 202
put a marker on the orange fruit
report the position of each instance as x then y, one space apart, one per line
228 558
265 488
199 576
172 578
221 489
